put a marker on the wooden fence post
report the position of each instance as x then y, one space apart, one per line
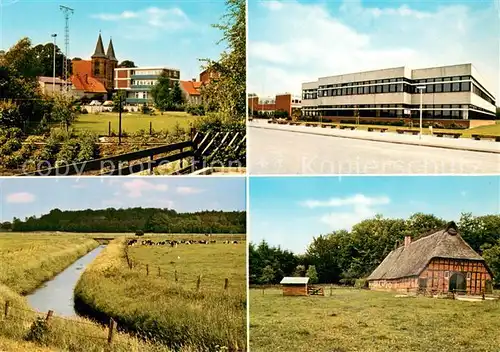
226 283
109 128
198 283
176 278
331 290
6 312
159 271
147 269
150 128
49 315
111 331
182 160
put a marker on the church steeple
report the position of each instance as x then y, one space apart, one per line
99 49
111 51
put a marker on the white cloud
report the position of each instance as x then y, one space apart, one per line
356 200
346 220
291 43
152 17
20 198
362 207
188 190
136 187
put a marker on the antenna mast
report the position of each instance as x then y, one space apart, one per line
67 12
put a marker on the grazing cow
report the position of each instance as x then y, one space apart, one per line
131 242
235 242
213 241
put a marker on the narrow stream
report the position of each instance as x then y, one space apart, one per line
57 294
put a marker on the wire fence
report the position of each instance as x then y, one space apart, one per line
12 313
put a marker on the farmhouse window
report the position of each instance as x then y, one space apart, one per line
446 274
469 276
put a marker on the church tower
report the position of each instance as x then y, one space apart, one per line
112 63
100 62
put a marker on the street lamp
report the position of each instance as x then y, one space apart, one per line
421 89
54 67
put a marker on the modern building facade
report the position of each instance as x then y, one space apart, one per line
138 81
451 92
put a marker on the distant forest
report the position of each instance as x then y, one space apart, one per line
131 220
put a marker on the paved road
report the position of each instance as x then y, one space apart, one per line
285 152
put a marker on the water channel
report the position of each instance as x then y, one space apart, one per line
57 294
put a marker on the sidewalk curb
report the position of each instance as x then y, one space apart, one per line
419 144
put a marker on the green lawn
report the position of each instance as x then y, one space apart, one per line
132 122
483 130
368 321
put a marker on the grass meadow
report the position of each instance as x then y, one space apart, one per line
132 122
362 320
26 261
158 307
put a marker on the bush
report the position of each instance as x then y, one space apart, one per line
361 283
84 111
195 110
88 147
139 233
347 281
145 109
68 153
38 331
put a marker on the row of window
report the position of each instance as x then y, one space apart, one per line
393 88
143 82
395 106
476 90
398 79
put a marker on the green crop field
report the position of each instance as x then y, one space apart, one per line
147 299
26 261
362 320
133 122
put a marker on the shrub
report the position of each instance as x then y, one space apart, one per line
88 147
347 281
84 111
38 331
139 233
68 153
361 283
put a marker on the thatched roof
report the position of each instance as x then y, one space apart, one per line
412 260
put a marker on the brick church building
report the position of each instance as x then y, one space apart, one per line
96 76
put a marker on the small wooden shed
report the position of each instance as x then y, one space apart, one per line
294 286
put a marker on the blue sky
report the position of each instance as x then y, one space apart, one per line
291 42
290 211
150 33
22 197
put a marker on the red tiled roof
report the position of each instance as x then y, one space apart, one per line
190 87
82 78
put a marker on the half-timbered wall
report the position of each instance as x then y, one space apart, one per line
439 272
435 278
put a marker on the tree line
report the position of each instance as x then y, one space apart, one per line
343 256
132 220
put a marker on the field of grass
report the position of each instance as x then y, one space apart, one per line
26 260
467 133
362 320
132 122
166 311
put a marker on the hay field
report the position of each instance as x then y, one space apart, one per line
173 313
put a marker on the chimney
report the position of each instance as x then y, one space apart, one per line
407 241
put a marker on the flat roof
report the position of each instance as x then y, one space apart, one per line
294 280
146 68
